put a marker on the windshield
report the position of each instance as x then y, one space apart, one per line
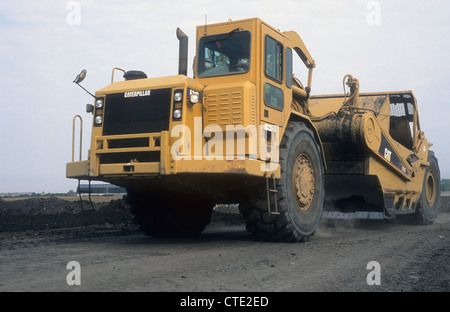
224 54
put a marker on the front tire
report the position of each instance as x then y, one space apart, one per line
300 191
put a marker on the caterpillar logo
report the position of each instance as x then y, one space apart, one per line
137 93
387 154
386 151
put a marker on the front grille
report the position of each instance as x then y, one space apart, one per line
143 112
119 158
127 143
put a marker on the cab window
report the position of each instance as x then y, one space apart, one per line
401 125
274 59
224 54
273 97
289 68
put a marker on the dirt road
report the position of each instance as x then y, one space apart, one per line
38 238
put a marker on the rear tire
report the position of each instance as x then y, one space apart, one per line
161 215
428 206
300 191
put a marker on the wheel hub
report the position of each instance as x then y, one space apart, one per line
303 182
430 186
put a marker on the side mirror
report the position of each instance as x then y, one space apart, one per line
80 76
89 108
79 79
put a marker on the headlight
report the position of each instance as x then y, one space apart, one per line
194 98
177 114
99 103
98 120
178 96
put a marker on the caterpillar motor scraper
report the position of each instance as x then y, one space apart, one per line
245 130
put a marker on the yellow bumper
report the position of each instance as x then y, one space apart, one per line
78 170
81 169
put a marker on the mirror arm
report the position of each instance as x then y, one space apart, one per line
85 90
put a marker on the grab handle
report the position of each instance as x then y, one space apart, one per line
73 136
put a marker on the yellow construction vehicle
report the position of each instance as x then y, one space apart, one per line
245 130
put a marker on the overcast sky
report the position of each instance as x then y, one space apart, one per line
388 45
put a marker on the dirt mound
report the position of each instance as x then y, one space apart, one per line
55 213
52 213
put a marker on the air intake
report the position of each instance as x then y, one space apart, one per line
134 74
183 52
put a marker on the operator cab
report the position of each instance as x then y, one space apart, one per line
402 124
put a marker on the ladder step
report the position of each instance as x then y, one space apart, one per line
273 191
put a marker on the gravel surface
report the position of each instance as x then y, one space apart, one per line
39 236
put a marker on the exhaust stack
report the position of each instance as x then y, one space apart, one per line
183 52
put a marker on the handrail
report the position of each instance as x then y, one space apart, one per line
73 136
112 75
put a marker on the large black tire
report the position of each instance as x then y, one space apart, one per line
300 191
428 206
162 215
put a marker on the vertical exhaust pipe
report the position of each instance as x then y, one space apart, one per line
183 52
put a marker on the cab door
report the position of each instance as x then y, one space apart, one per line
275 96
